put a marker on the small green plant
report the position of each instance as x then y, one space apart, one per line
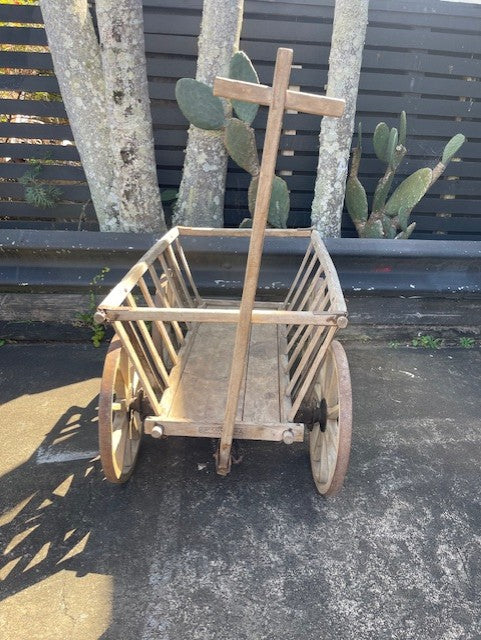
394 344
466 343
206 111
389 217
427 342
2 342
37 193
86 319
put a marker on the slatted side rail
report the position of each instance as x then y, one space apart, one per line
315 289
161 279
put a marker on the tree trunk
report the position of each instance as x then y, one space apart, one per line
135 190
348 35
201 194
76 58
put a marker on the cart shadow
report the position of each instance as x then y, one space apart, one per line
63 515
44 526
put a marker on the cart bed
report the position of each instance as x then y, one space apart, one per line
200 379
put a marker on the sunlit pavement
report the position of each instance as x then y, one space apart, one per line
180 552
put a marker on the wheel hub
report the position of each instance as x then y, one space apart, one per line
314 414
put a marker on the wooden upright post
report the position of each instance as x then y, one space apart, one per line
273 131
278 99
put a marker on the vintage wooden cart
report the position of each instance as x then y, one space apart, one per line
184 365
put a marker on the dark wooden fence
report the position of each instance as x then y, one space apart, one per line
423 56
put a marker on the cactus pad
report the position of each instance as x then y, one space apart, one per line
356 200
380 141
240 142
402 128
241 68
391 146
409 192
279 203
373 229
199 105
452 147
403 217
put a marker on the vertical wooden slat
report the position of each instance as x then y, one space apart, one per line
146 385
161 328
312 307
304 359
308 292
307 273
165 302
298 275
180 278
171 280
311 373
154 354
185 266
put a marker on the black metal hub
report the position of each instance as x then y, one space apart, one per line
313 414
322 415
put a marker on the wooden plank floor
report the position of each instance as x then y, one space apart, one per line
201 392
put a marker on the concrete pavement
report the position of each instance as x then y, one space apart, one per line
181 553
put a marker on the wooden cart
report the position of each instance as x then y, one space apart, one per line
184 365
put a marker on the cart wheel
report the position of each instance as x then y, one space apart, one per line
120 424
330 438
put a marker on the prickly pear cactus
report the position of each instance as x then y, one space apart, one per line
453 146
241 68
409 192
389 217
240 143
206 111
356 199
199 105
380 141
279 203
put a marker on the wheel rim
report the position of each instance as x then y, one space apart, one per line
329 449
120 426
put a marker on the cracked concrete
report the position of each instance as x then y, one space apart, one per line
182 553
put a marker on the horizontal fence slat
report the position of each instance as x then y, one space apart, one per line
48 172
39 151
25 60
26 82
33 107
20 13
64 210
42 131
77 193
23 35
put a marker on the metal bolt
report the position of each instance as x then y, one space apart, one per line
288 436
157 431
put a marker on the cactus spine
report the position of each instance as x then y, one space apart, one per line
389 217
204 110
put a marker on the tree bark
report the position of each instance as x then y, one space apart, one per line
201 194
135 190
76 58
348 35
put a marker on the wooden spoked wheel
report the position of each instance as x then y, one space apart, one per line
330 438
120 423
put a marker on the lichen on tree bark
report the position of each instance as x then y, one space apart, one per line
201 193
78 67
348 35
106 99
135 190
